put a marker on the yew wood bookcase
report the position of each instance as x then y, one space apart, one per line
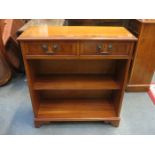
77 73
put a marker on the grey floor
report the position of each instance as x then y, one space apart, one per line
138 115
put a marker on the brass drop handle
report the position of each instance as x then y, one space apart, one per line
106 53
110 47
99 47
55 47
100 50
109 50
45 48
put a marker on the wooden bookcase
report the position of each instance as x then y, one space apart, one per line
77 73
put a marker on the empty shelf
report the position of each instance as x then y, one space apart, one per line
75 82
76 110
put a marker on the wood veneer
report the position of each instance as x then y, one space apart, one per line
76 82
81 87
143 63
136 81
74 110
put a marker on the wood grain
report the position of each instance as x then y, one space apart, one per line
143 65
68 48
48 94
75 110
117 48
79 87
75 82
76 32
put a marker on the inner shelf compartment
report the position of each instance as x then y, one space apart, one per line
77 110
75 82
77 90
77 74
76 105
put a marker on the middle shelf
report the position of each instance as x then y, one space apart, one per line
76 82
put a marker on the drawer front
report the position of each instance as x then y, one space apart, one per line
104 48
52 48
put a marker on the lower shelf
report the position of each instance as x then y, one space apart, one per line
76 110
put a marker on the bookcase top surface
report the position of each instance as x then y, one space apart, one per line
76 32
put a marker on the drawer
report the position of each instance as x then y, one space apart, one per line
52 48
104 48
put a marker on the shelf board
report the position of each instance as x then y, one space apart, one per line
68 57
76 110
75 82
